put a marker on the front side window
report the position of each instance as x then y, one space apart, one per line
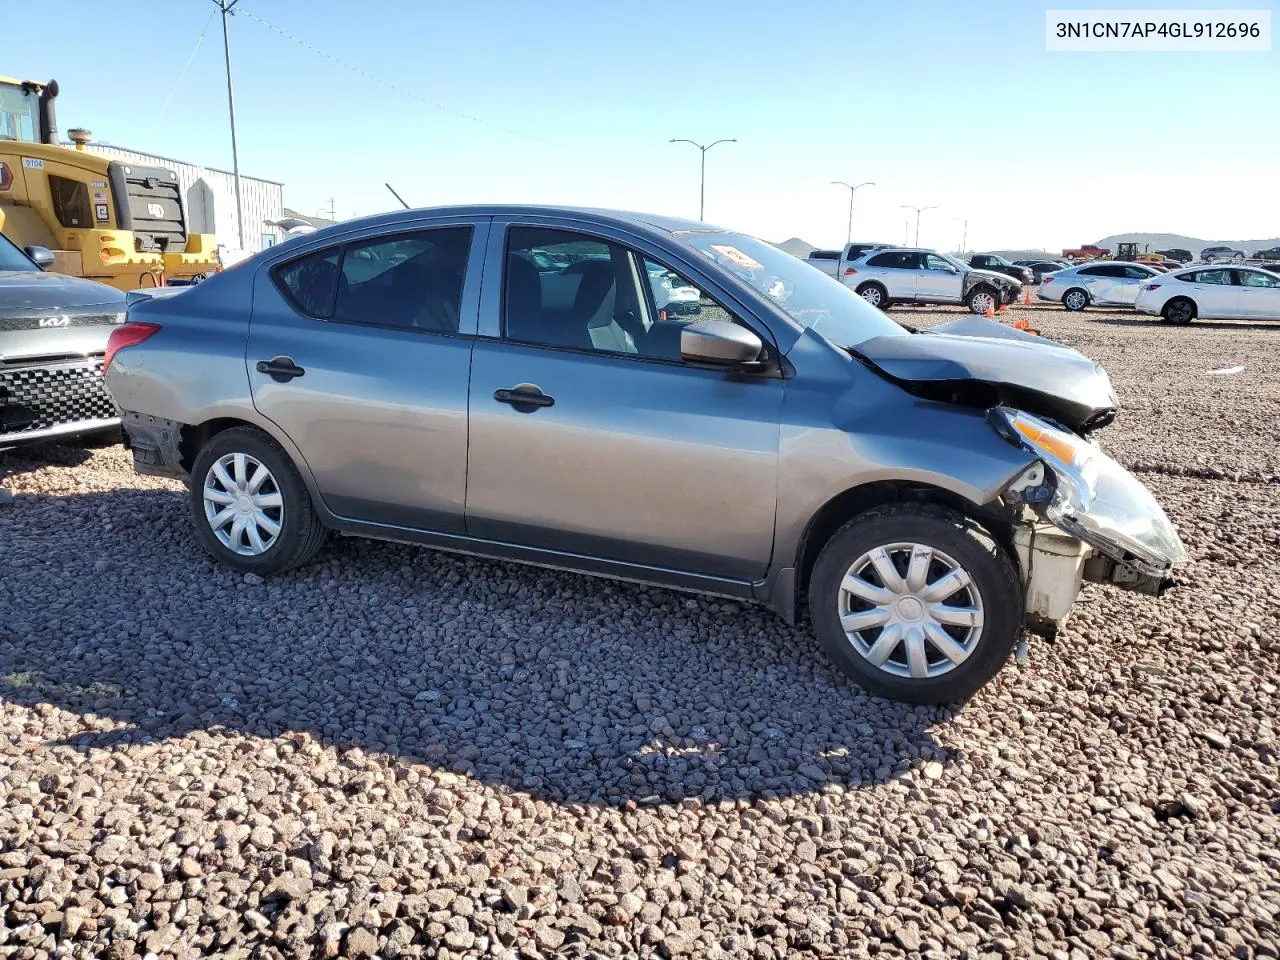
566 289
1138 273
11 258
1250 278
934 262
412 281
70 202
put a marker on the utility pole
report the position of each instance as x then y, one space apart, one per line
226 6
964 240
702 189
333 211
918 210
852 190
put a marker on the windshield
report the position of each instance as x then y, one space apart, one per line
11 258
18 113
955 262
809 297
1001 261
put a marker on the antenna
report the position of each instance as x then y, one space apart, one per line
396 195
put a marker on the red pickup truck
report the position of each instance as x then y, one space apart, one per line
1088 250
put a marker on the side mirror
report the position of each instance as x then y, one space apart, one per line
719 341
42 256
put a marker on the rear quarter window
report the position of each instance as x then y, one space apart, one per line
310 283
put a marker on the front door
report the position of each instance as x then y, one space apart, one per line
1259 295
938 281
1215 294
360 352
589 434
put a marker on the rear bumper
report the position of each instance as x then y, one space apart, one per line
52 400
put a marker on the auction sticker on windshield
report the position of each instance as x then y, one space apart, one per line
736 256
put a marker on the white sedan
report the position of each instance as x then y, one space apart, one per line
1100 283
1224 293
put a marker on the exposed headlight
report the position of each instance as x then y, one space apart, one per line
1098 500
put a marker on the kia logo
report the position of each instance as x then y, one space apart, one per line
55 321
155 210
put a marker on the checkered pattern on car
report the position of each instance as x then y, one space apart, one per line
40 396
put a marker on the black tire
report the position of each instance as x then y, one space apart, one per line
1075 299
990 569
980 295
875 294
1179 311
301 532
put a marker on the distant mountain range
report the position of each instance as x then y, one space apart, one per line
796 247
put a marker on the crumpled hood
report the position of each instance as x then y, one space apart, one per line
1006 366
995 275
25 292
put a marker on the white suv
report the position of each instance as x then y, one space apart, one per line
902 275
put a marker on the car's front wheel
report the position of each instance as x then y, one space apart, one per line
251 509
916 603
982 300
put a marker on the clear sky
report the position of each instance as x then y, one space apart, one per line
949 104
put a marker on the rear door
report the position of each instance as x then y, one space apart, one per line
1258 295
895 269
1215 293
360 351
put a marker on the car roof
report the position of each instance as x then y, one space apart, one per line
588 215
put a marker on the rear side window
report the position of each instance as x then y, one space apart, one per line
1104 270
70 202
899 261
311 282
412 281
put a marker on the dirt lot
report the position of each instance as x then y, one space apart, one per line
398 752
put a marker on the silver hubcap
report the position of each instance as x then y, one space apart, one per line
243 504
983 302
910 610
872 296
1075 301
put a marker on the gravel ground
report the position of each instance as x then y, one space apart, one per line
402 753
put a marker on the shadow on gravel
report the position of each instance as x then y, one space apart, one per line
26 459
563 687
1135 320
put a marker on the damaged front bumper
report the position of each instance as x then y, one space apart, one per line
1082 516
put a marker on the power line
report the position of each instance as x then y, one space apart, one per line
359 71
186 66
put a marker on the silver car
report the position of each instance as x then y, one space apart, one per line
502 381
1101 283
885 276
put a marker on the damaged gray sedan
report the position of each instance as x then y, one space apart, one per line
503 381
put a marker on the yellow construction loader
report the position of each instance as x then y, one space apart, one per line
106 219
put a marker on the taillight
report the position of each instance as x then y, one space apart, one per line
1151 286
849 271
1045 279
129 335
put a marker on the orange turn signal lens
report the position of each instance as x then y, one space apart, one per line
1047 442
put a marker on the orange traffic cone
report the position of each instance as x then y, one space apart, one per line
1026 298
989 313
1021 325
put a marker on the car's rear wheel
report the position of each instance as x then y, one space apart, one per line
982 299
1075 299
916 603
874 294
1179 311
251 509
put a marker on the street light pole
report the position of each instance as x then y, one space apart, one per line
964 239
918 210
852 190
226 6
702 187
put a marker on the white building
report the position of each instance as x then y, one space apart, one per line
209 196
